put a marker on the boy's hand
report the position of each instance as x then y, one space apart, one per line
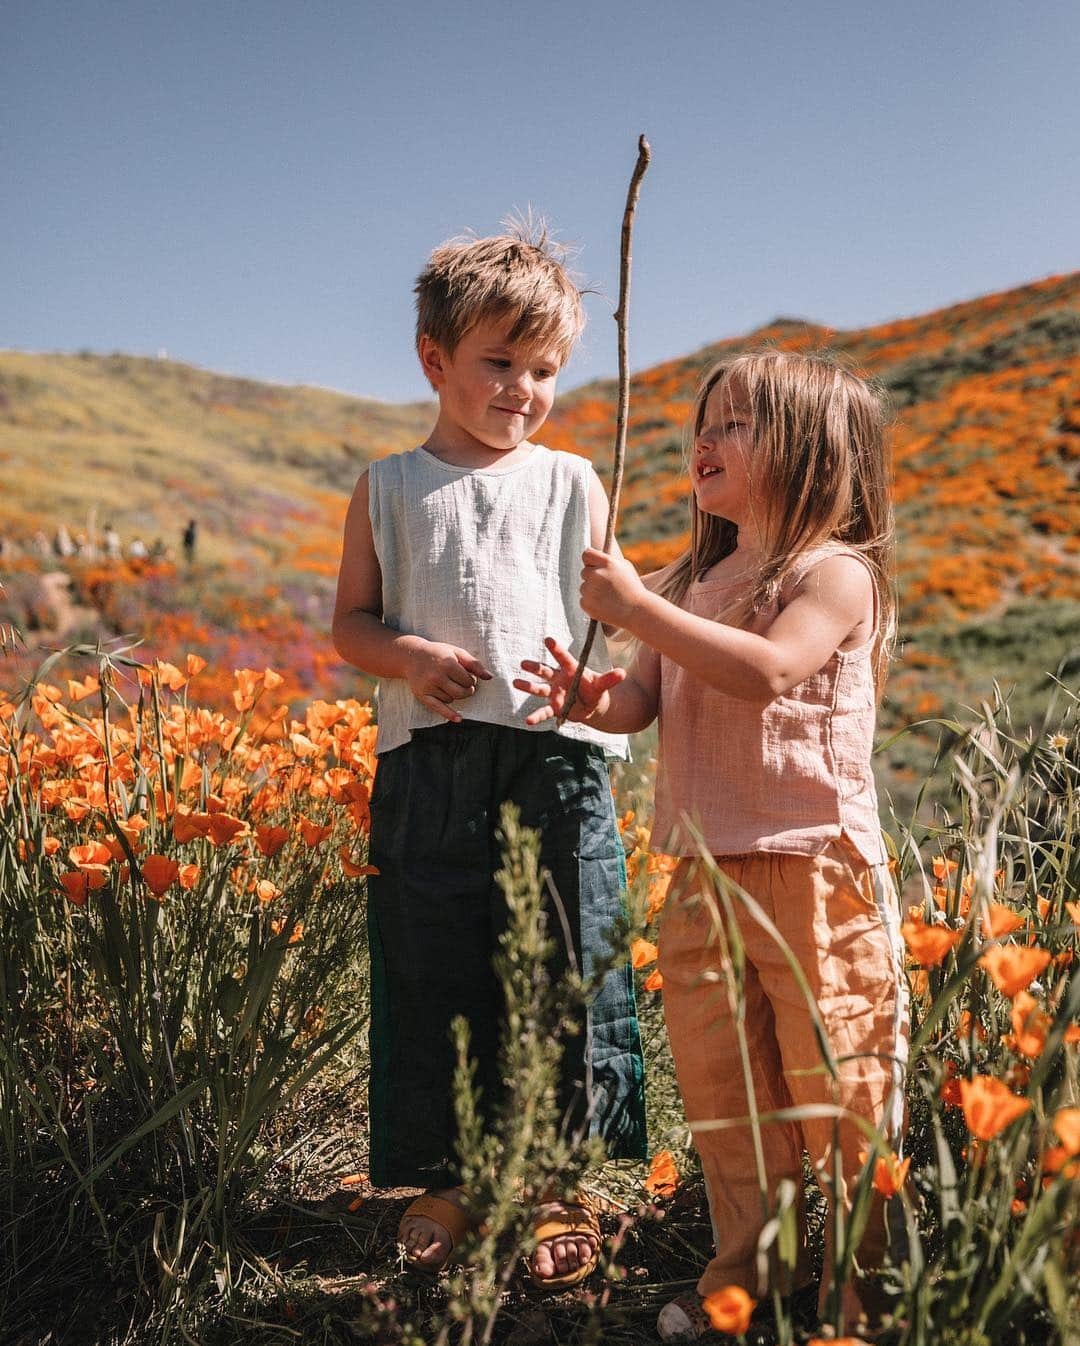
553 684
611 588
438 674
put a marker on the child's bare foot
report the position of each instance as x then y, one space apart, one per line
569 1243
432 1227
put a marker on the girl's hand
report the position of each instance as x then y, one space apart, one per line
438 674
552 683
611 588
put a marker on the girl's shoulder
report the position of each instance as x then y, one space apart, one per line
830 561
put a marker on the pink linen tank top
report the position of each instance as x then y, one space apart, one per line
786 777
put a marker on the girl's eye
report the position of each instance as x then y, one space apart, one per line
500 364
545 373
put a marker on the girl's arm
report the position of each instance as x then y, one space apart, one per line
828 605
619 702
436 673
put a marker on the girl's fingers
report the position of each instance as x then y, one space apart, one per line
533 688
603 682
538 716
563 658
593 556
541 670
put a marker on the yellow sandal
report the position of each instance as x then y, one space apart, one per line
455 1219
579 1218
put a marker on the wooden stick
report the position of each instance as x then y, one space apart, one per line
622 314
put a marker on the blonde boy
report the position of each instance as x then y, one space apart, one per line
459 556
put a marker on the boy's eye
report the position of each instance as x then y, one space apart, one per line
500 364
544 373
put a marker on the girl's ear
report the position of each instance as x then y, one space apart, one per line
432 361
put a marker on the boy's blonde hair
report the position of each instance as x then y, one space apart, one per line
820 473
518 277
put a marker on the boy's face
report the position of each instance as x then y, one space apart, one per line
495 392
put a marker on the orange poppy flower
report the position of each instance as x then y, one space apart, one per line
657 896
271 680
90 853
654 981
298 930
244 695
224 828
188 876
170 676
989 1107
1013 968
729 1309
159 872
929 944
93 859
313 833
890 1173
271 839
943 868
76 885
1073 908
663 1175
194 664
1058 1160
642 953
187 825
1030 1024
79 691
1000 920
351 869
266 891
1067 1125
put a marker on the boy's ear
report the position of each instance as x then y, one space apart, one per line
432 360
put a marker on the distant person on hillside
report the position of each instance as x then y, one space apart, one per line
191 535
63 543
137 550
764 649
453 561
111 543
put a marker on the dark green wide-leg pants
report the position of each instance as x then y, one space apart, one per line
435 917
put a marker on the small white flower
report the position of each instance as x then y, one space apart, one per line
1037 988
938 917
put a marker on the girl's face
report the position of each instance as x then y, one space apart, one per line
721 469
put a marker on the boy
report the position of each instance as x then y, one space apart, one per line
458 556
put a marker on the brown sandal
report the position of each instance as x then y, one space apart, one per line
579 1218
455 1219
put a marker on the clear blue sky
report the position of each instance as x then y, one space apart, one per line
254 186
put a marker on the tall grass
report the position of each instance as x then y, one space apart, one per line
183 1001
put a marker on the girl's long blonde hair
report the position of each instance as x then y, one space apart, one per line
820 473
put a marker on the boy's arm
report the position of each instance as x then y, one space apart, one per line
436 673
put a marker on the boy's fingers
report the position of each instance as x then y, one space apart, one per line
440 708
472 664
537 716
593 556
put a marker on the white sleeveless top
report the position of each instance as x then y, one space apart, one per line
489 560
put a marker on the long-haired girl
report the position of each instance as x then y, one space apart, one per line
763 650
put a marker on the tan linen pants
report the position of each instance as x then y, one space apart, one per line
839 916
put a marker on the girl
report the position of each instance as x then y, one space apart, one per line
763 651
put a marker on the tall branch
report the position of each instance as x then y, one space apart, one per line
622 317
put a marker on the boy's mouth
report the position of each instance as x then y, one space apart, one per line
510 411
707 470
